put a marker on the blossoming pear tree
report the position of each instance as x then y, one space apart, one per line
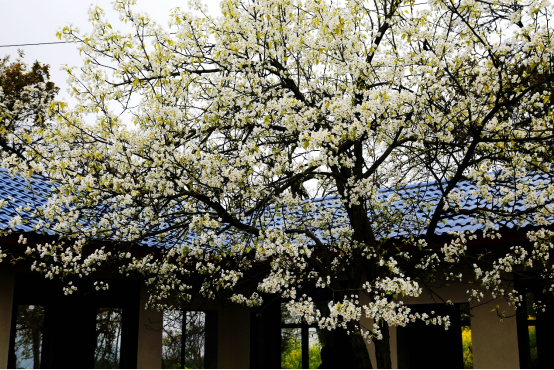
213 136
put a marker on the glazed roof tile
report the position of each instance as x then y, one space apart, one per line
418 200
20 193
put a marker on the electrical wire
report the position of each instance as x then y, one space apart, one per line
38 43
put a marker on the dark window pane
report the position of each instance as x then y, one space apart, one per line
467 346
422 346
467 343
465 313
195 339
172 339
531 314
534 357
291 348
315 348
28 336
286 317
108 338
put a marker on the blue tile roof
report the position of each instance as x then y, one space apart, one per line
416 203
418 200
20 193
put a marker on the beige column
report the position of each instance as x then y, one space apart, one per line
233 337
494 343
368 325
7 281
149 336
393 349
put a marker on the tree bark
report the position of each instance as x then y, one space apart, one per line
382 349
359 348
36 347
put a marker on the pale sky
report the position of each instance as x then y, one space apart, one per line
35 21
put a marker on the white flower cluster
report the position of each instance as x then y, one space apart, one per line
69 289
254 301
303 310
101 285
456 248
394 286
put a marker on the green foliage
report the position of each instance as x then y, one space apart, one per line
291 357
467 347
108 338
173 336
28 339
315 356
534 357
25 94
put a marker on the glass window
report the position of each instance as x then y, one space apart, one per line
533 352
172 339
315 348
108 338
291 348
530 300
28 336
184 339
531 330
286 317
301 344
467 343
195 339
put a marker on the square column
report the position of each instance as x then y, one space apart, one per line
495 343
150 334
234 337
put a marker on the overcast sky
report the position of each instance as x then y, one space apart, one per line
35 21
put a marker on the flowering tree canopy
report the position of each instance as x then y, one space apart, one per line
213 137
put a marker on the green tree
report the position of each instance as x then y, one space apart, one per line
108 338
25 95
28 335
191 354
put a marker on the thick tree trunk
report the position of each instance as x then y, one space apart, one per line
382 349
364 235
36 348
359 349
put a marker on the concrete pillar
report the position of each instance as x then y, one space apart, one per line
494 343
7 282
393 347
368 324
234 337
149 336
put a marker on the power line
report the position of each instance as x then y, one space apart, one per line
38 43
